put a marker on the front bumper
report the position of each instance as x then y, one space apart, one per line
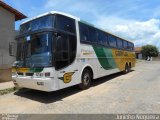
42 84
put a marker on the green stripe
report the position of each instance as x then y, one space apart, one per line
105 57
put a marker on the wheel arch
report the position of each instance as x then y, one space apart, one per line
89 67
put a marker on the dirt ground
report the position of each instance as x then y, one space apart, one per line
135 92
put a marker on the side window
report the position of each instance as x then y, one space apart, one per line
130 46
65 24
102 38
83 32
92 35
106 40
112 41
125 45
119 43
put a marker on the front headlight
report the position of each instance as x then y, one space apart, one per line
47 74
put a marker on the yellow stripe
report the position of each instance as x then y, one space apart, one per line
123 57
24 70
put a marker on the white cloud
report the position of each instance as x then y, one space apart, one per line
68 5
118 17
140 32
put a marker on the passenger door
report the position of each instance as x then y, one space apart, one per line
65 51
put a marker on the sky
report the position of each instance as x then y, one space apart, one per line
134 20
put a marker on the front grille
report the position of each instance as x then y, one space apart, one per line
29 74
20 73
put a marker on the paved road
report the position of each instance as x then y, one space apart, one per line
136 92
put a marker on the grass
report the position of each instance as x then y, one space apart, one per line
9 90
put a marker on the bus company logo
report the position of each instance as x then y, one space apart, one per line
67 77
86 52
119 53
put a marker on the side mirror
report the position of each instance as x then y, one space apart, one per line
12 49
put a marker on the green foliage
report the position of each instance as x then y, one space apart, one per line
150 50
7 91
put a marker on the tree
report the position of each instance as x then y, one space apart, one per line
150 51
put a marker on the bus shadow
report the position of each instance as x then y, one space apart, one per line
107 78
50 97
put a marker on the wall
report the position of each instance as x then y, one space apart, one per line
7 35
139 56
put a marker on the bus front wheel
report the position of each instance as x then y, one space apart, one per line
85 79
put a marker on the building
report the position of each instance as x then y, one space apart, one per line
8 16
138 51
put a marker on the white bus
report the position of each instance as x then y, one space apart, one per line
56 50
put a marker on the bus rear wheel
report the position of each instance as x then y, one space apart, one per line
85 79
127 69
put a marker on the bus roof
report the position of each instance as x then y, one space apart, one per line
50 13
74 17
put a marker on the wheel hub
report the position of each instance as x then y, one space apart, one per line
86 79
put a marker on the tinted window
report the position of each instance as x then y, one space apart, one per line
65 50
112 41
83 32
130 46
119 43
125 45
61 54
72 48
65 24
35 45
102 38
92 35
37 24
106 39
40 43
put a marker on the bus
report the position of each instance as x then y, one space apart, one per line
57 50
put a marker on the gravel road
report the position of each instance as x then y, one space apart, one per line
135 92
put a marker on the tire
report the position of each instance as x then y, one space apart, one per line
130 67
127 69
85 79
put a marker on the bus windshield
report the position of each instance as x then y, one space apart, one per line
35 50
37 24
35 43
